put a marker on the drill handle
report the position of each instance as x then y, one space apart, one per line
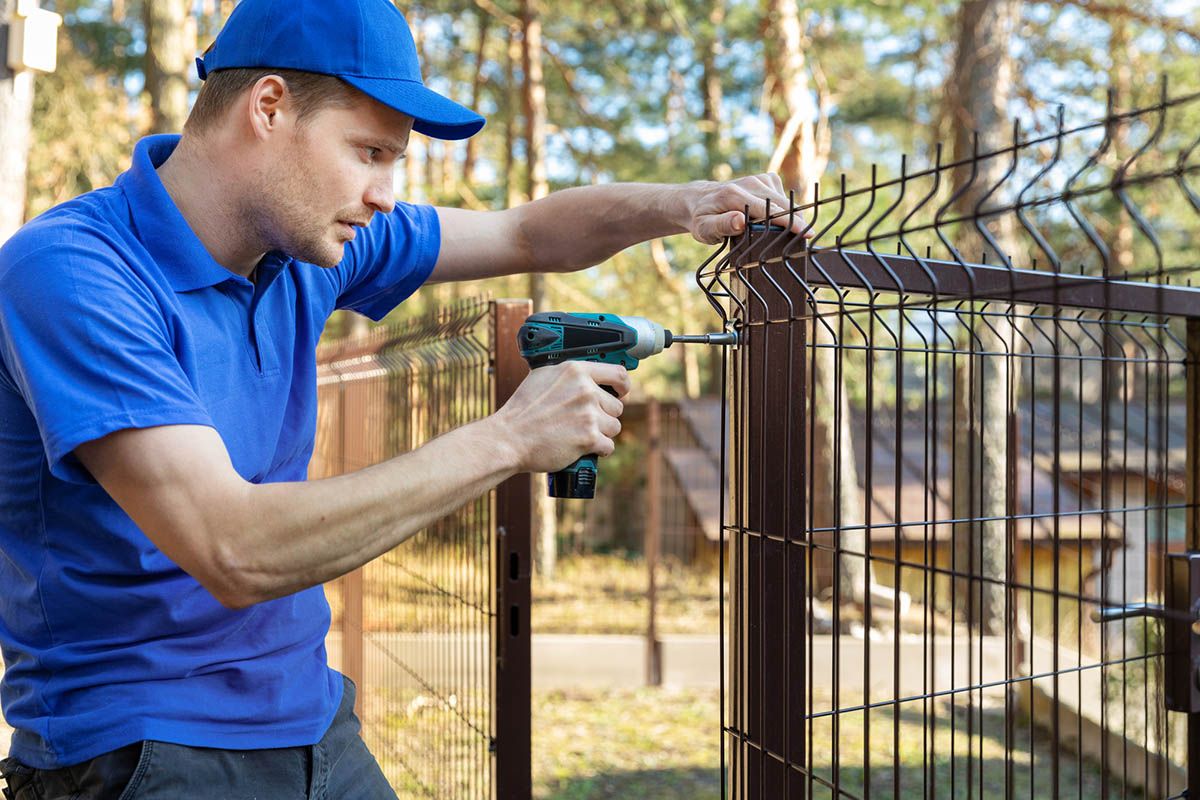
579 479
576 481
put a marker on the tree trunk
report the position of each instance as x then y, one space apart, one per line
473 143
16 109
1127 565
168 50
716 143
979 90
837 505
534 97
512 183
412 176
447 170
537 186
416 190
799 165
1122 83
534 101
424 174
794 113
429 162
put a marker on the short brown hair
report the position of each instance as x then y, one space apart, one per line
310 92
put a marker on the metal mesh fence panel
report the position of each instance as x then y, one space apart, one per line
962 497
416 627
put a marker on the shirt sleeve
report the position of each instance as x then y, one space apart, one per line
389 260
88 346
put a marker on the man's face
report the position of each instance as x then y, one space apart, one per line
332 176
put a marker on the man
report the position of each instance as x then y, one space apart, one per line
161 556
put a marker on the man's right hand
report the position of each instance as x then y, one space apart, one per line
560 413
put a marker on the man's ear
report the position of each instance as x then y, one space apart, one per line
269 106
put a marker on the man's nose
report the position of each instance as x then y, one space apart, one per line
381 193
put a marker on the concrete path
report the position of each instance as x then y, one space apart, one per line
562 661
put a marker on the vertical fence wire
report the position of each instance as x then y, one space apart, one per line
959 463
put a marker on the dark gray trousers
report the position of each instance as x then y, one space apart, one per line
337 767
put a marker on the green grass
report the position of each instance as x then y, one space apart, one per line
643 744
929 753
429 746
640 743
661 743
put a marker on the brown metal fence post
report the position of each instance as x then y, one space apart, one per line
772 544
1192 499
512 557
653 538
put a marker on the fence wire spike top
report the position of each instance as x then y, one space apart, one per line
963 472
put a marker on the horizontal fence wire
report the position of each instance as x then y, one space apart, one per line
958 419
417 622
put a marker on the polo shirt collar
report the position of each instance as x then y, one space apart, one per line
164 232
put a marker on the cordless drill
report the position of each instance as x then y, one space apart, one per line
551 337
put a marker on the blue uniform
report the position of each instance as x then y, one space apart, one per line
113 316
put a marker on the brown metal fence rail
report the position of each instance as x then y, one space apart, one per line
435 633
962 518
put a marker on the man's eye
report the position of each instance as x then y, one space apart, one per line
371 152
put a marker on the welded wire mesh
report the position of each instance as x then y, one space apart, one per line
959 431
416 624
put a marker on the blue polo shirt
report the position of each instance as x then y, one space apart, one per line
113 316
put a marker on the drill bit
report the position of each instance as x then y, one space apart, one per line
701 338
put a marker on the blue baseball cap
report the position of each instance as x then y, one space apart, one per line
366 43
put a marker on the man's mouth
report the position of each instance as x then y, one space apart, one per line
349 225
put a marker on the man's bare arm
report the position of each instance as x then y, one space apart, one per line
577 228
247 543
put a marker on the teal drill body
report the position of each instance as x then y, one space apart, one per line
552 337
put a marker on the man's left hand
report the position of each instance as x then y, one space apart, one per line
717 210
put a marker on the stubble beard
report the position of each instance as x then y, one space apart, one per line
309 241
283 222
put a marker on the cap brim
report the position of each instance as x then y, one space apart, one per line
433 114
